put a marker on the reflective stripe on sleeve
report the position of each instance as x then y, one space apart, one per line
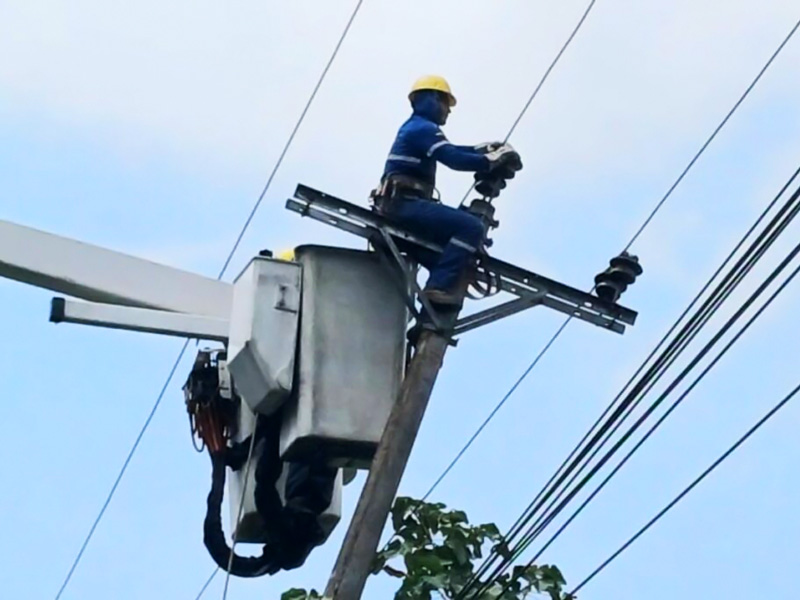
436 146
457 242
408 159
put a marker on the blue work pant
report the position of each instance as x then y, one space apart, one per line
451 228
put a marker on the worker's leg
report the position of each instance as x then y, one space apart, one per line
458 231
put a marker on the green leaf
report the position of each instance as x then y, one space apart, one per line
438 582
400 509
424 560
413 532
438 547
300 594
413 588
509 585
531 574
502 549
393 572
459 547
552 574
493 593
490 531
392 549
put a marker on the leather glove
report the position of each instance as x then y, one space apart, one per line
505 154
487 147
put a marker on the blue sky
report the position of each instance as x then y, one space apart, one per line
151 130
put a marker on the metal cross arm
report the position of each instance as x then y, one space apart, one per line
529 288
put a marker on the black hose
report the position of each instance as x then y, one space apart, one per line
292 529
214 537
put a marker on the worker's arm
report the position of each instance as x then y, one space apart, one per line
460 158
430 141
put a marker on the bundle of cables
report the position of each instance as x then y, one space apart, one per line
585 461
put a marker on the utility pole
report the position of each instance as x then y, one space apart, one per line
529 289
358 551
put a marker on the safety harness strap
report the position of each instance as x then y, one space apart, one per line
396 185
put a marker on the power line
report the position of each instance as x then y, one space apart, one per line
207 583
655 426
122 470
587 478
291 137
543 522
565 465
689 488
638 233
239 512
722 291
222 271
725 287
535 361
544 78
257 204
549 70
714 134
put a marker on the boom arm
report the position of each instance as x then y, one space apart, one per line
101 275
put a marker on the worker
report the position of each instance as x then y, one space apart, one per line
406 195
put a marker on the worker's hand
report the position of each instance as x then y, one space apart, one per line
487 147
504 155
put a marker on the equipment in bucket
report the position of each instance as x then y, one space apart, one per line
289 507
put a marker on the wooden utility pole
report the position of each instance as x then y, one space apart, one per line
361 542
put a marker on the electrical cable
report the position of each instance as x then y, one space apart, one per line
122 471
755 257
222 271
723 291
533 364
496 408
207 583
277 166
550 69
655 426
652 353
531 510
538 87
246 480
638 233
716 131
291 138
517 551
688 489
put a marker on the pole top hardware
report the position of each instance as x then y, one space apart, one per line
622 272
526 287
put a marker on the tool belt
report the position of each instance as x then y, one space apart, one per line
395 187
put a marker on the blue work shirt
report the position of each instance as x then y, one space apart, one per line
420 143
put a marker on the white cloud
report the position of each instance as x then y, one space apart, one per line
223 84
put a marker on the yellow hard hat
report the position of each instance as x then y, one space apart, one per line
433 82
287 255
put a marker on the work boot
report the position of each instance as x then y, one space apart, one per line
442 297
